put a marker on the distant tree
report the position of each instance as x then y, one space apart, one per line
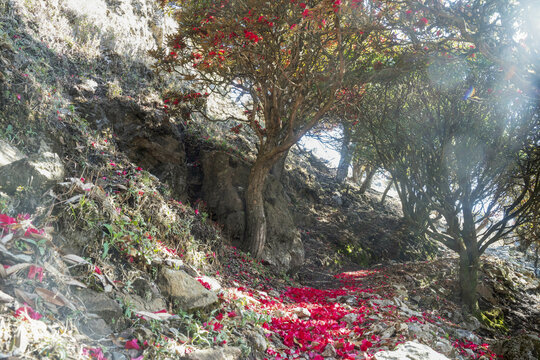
470 160
286 60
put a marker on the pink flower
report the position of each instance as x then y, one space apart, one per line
204 283
196 212
231 314
6 220
18 96
96 353
424 20
97 270
219 316
218 326
366 344
132 344
31 313
139 168
30 231
33 271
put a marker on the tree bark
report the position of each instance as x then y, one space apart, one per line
255 233
357 171
369 178
279 166
385 193
468 279
345 156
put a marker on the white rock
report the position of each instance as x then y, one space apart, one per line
301 312
411 350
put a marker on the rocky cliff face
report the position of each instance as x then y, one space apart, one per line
224 185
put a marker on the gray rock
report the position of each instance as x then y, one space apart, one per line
147 304
185 290
521 347
486 292
471 323
225 353
329 351
37 171
350 318
411 350
444 346
118 356
100 304
466 334
95 329
9 154
257 341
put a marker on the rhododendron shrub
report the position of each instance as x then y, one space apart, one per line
285 61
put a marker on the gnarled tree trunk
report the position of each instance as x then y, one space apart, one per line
386 190
468 278
369 179
345 156
357 171
279 167
255 236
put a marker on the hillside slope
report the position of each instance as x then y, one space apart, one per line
119 225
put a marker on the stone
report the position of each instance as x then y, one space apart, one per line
486 292
410 350
100 304
185 290
257 341
471 323
422 332
301 312
350 318
9 154
88 86
444 346
95 329
468 335
37 171
329 351
148 304
223 188
521 347
118 356
225 353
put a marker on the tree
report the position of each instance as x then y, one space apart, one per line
471 161
285 60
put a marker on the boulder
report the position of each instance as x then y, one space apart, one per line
521 347
95 329
38 171
411 350
225 353
184 290
224 184
257 341
100 304
9 154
